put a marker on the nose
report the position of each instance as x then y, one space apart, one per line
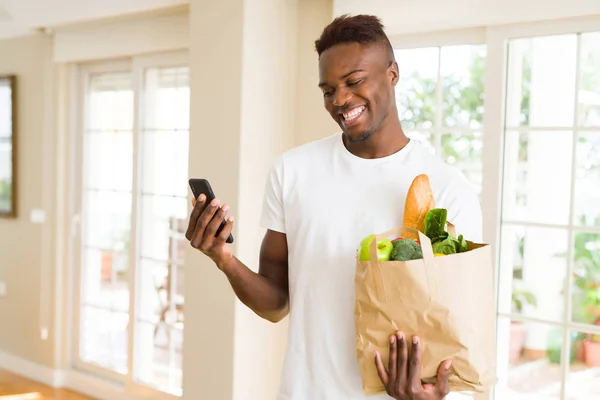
341 97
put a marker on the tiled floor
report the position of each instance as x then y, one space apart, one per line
14 387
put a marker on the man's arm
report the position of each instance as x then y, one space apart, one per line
266 292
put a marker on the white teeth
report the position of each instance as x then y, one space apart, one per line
354 113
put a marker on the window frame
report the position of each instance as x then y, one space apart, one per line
496 39
471 36
494 129
79 76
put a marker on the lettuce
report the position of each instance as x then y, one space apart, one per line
442 242
435 224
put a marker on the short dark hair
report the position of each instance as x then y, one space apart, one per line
363 29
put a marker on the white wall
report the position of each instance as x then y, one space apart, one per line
410 16
312 120
165 31
248 59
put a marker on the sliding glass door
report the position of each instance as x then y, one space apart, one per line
132 207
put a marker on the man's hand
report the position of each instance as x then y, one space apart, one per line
204 223
401 379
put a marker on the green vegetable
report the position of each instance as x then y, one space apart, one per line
405 250
446 246
442 242
435 224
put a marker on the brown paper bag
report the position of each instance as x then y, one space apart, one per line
447 301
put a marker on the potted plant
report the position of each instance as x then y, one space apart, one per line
591 348
517 329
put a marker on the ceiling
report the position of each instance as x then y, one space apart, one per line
20 17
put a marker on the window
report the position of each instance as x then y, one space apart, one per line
440 102
550 228
134 152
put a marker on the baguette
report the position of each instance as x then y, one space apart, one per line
419 200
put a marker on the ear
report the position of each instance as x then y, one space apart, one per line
394 73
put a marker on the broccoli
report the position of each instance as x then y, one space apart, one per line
405 250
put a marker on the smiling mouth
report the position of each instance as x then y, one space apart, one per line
352 116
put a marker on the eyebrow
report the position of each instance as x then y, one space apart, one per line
321 84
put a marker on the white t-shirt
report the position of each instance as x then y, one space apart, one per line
326 200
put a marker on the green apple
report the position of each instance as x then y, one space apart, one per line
384 249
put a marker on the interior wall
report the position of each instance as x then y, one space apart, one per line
154 32
266 50
313 121
25 248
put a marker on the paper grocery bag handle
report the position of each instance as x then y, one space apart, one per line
428 260
450 228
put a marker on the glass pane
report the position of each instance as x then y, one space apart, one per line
462 74
161 218
5 109
108 160
103 338
153 290
167 99
159 363
537 177
586 277
587 184
583 379
176 370
541 91
589 89
110 102
415 91
100 271
534 358
5 174
107 220
531 255
463 150
165 169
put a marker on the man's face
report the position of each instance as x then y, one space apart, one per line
358 87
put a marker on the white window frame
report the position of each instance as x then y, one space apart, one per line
79 78
494 128
473 36
496 39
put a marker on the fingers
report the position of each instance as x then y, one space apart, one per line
222 238
392 363
402 358
215 223
199 236
442 383
196 211
381 369
414 369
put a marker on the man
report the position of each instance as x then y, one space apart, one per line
321 199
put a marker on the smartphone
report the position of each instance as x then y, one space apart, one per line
202 186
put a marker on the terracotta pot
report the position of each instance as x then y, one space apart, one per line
592 353
517 340
106 266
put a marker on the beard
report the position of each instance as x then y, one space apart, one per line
361 137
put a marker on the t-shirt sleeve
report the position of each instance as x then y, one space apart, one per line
272 216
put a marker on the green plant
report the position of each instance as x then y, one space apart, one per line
595 337
522 297
586 274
